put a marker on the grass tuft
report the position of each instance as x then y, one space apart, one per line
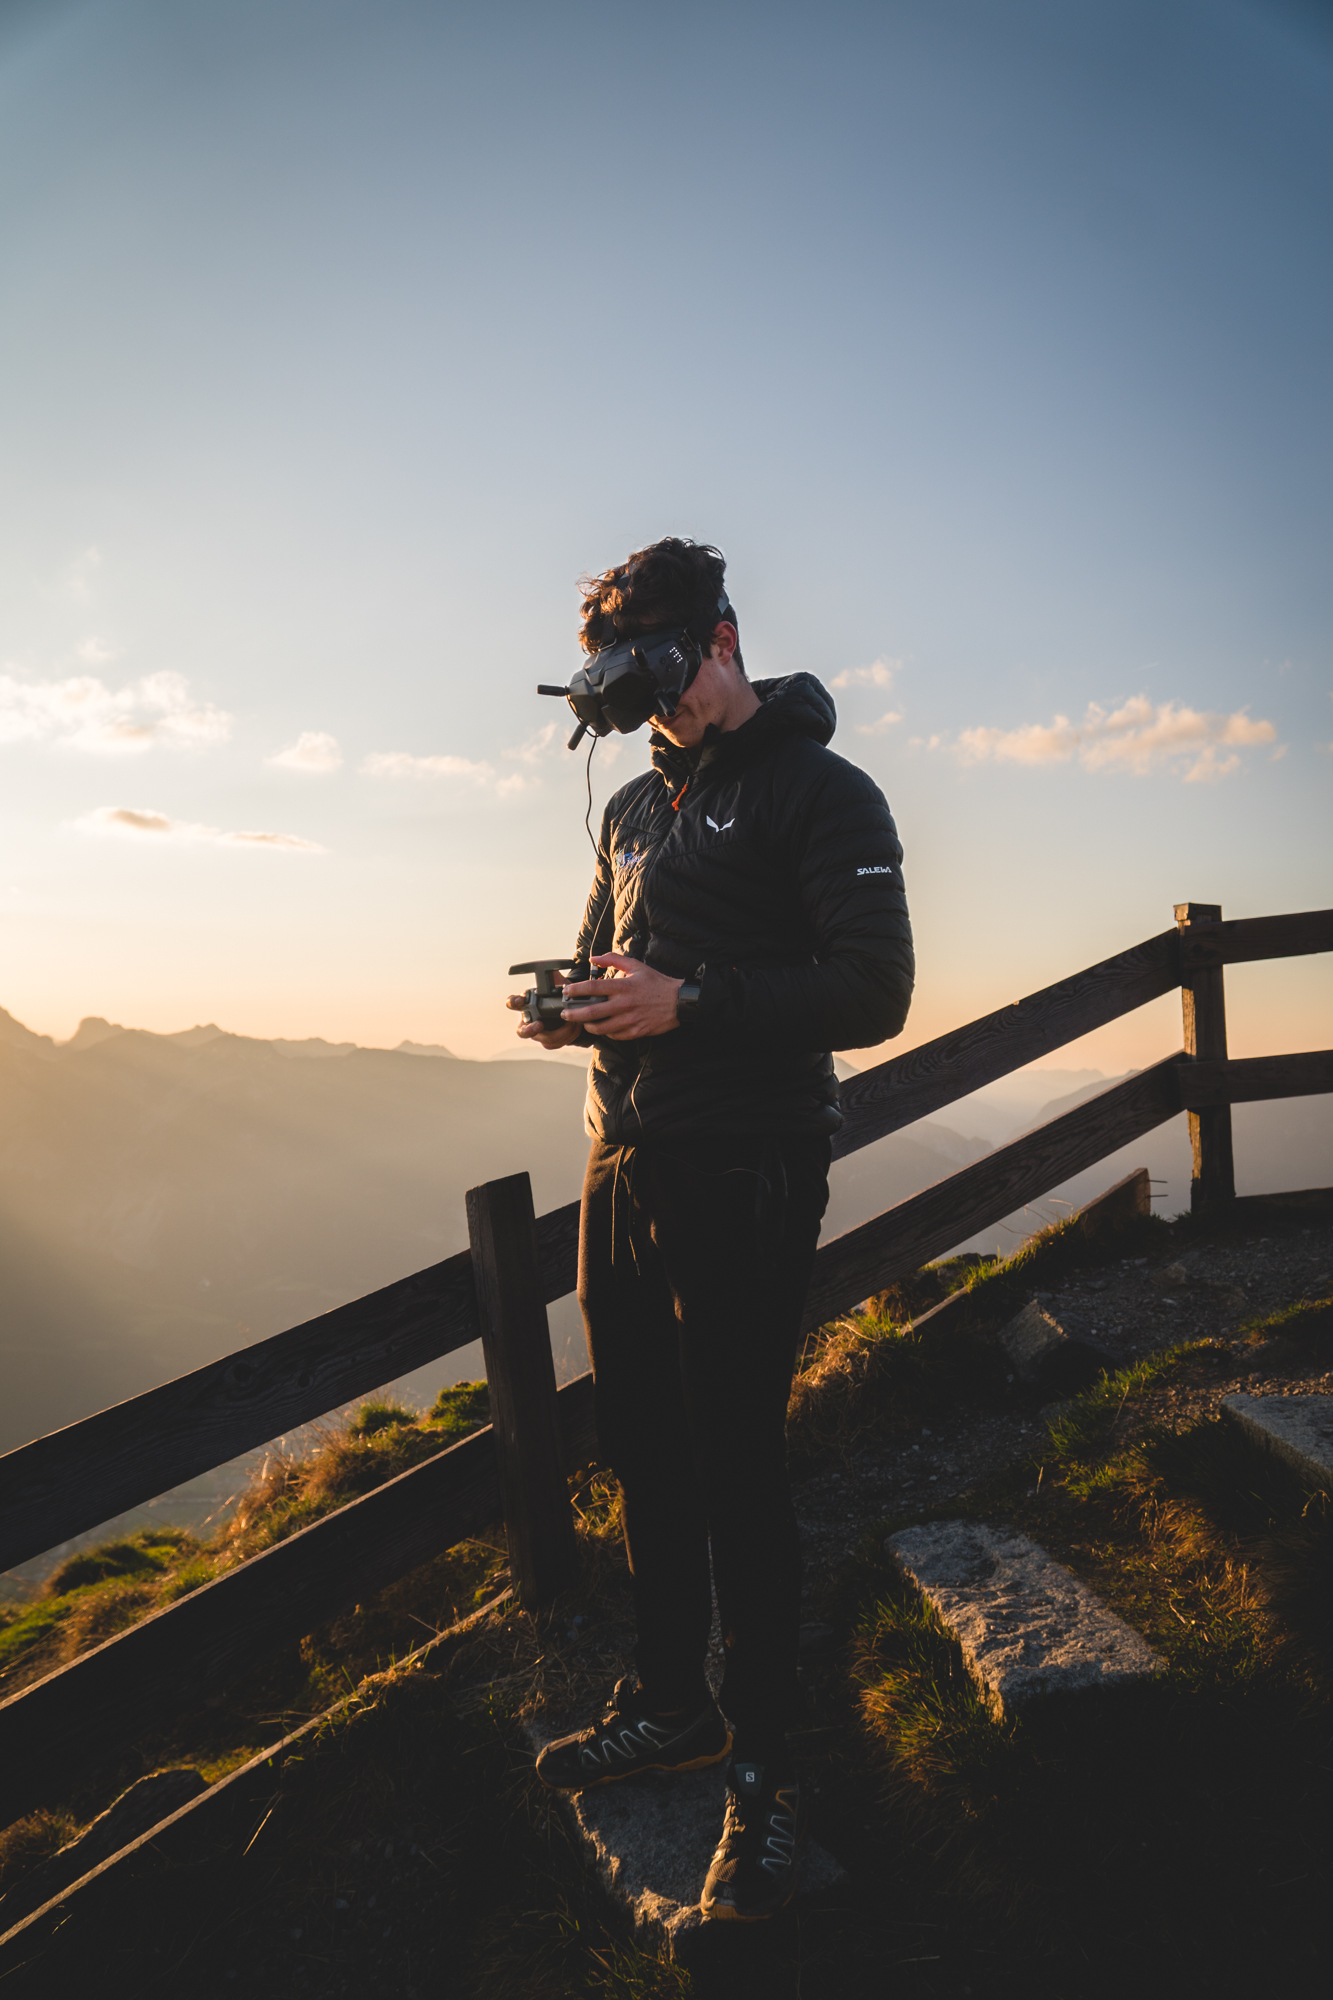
462 1409
856 1370
146 1554
933 1726
1308 1319
1083 1425
865 1369
27 1842
374 1417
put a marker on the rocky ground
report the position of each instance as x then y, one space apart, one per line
1132 1307
390 1873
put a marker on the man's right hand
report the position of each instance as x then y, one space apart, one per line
533 1031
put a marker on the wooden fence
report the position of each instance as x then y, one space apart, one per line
498 1290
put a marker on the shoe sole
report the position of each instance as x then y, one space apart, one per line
619 1777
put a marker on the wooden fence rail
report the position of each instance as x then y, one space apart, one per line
1244 940
72 1479
497 1291
901 1239
63 1484
179 1656
1252 1079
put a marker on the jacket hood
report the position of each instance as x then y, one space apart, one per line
797 705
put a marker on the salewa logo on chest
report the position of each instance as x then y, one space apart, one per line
874 871
725 824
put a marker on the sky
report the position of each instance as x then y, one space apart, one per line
988 341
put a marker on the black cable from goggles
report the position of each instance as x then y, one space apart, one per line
587 772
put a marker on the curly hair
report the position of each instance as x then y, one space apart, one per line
673 582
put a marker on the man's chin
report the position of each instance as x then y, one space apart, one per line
685 736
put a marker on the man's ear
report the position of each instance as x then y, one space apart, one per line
725 641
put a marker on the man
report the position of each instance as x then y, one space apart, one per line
747 917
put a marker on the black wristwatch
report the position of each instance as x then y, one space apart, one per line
687 1000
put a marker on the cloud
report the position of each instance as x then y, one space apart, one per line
537 747
517 781
141 822
94 653
83 713
1139 736
399 764
885 722
312 751
879 675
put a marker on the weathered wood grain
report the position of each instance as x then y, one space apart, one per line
196 1646
1122 1203
65 1483
516 1341
867 1259
1250 1079
1204 1012
1241 940
1295 1203
924 1080
73 1479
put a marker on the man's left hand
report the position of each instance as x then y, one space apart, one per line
633 1000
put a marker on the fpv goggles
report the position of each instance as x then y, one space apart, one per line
624 685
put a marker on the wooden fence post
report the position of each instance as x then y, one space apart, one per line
1203 998
516 1341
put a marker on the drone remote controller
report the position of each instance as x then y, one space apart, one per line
541 1003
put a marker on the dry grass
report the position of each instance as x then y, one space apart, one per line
1081 1846
410 1845
911 1296
1075 1859
100 1591
870 1363
864 1369
30 1840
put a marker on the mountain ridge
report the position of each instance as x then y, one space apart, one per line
166 1199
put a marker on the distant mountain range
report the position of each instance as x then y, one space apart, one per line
165 1199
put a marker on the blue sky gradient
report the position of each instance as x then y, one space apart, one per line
989 342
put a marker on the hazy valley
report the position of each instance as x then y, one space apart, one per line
167 1198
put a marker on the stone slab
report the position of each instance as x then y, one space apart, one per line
1298 1428
649 1841
1027 1626
1030 1339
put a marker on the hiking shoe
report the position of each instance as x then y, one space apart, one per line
629 1739
753 1873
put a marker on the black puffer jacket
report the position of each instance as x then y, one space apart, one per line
775 866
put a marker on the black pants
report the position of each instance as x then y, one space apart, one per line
694 1261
